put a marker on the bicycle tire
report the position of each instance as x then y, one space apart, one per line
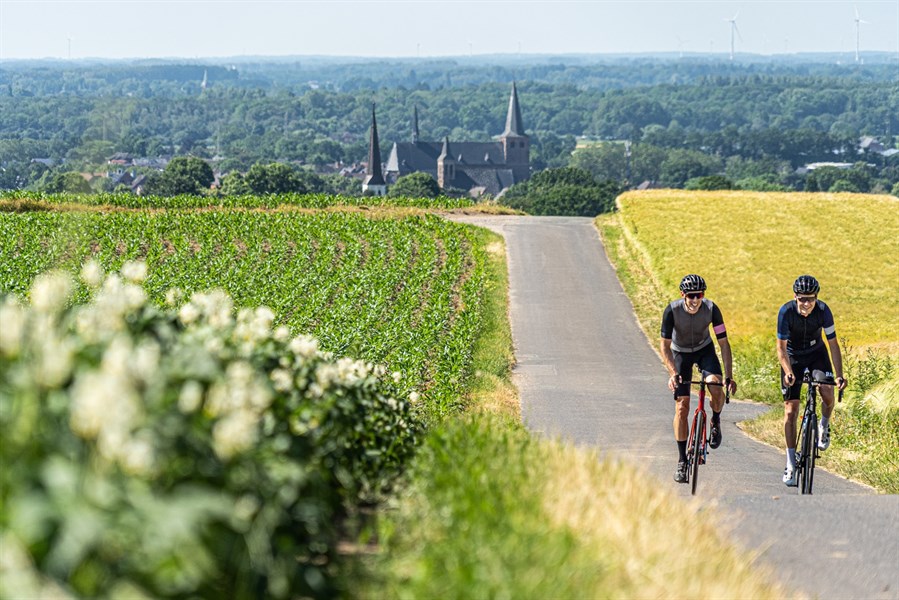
813 455
808 455
697 453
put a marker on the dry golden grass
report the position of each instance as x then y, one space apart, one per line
657 546
750 246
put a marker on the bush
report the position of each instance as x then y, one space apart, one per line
179 453
709 182
567 191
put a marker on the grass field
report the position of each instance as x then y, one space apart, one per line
750 247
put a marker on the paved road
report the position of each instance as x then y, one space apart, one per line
586 372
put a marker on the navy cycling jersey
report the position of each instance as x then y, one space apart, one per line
690 332
803 334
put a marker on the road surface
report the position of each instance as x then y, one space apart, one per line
586 372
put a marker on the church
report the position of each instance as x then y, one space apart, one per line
479 168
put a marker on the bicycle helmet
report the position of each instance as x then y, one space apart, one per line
692 283
806 284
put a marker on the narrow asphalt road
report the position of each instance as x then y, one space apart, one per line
585 372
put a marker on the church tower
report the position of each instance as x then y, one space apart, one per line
374 183
516 144
446 166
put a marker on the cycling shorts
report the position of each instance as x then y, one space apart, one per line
704 358
818 364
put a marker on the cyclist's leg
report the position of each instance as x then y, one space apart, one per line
711 371
822 369
791 412
683 362
684 365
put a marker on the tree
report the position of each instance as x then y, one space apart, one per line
70 182
709 182
233 184
683 165
183 175
274 178
415 185
567 191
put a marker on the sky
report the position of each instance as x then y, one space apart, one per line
194 29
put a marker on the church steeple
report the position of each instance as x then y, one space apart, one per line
446 166
415 124
516 144
374 179
514 125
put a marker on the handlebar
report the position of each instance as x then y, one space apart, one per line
806 378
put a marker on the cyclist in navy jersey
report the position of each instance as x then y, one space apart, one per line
800 346
686 342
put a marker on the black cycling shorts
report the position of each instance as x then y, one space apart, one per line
705 358
818 364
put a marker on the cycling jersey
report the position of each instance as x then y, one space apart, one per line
803 334
690 332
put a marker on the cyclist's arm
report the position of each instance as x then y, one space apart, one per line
721 335
784 361
668 359
667 331
837 357
830 332
726 357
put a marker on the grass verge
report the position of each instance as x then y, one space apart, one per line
488 510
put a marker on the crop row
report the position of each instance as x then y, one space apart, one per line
241 201
399 292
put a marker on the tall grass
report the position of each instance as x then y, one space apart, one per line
493 512
750 247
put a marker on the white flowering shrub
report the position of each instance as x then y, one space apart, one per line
189 452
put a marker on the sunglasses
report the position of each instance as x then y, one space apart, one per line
806 299
694 295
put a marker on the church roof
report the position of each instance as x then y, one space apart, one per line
406 157
514 125
373 170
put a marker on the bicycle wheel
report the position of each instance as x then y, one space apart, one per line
813 454
808 455
699 427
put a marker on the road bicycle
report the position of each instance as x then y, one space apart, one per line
808 433
698 440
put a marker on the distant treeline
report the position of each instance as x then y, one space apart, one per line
265 112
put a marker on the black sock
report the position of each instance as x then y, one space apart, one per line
682 450
716 417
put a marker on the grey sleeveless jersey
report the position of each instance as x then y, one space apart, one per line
689 333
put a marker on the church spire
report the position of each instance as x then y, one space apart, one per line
514 125
374 179
415 124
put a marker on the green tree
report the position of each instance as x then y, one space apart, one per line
234 184
183 175
415 185
683 165
70 181
566 191
709 182
274 178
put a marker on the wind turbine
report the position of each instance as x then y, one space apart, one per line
734 30
680 45
858 22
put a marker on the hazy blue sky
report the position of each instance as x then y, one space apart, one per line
191 28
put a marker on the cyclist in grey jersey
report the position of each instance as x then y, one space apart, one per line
685 341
